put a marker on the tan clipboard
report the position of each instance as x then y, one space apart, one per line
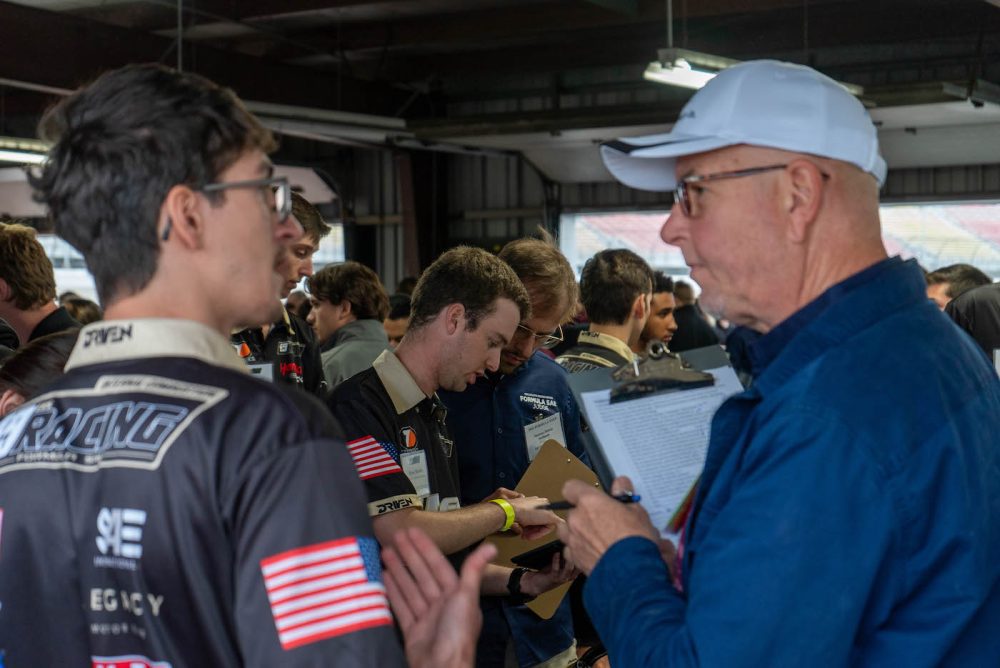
552 467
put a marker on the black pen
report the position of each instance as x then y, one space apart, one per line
627 497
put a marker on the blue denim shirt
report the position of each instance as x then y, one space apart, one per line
849 510
487 421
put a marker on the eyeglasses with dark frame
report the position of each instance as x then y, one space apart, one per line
279 187
550 340
683 197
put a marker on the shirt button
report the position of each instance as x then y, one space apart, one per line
502 475
499 430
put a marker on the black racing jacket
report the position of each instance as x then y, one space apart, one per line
160 507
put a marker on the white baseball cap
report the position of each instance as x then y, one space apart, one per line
761 103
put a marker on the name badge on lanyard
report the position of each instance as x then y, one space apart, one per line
536 433
262 370
415 467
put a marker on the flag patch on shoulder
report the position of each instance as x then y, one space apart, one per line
373 458
326 590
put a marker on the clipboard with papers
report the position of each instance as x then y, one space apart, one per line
550 469
658 437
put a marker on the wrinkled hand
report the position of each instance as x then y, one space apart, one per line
437 610
598 521
561 570
534 523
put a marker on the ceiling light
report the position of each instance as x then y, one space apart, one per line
684 68
23 151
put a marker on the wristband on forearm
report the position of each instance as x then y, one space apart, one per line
508 510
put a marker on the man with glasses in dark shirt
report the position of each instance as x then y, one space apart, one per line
489 422
182 513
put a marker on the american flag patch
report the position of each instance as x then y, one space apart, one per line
325 590
373 458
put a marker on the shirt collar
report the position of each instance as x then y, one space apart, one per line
612 343
144 338
834 317
398 383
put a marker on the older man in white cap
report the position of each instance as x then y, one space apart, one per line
849 509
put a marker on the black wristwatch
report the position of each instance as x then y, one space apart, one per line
517 596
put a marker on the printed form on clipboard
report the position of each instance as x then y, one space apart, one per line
659 441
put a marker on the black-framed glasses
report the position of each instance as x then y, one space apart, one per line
549 340
276 187
683 197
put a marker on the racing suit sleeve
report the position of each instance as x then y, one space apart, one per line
780 564
308 583
373 447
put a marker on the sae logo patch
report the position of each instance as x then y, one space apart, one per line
408 437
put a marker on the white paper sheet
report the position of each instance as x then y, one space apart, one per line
659 441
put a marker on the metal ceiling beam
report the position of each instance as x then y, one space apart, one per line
30 40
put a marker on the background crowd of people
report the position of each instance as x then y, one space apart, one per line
219 466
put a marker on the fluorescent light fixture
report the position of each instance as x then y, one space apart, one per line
692 69
22 157
679 73
684 68
23 151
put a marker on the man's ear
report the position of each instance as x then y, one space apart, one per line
804 196
346 305
4 291
9 400
181 218
639 306
454 318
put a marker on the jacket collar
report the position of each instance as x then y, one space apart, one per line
144 338
398 383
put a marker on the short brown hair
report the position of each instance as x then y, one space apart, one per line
469 276
25 267
545 273
83 310
354 282
309 217
610 282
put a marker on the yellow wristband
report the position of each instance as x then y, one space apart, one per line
508 511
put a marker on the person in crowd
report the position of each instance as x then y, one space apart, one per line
693 328
661 324
33 367
465 310
488 421
296 303
946 283
28 286
285 347
182 506
977 311
615 287
849 508
348 307
84 311
406 286
398 320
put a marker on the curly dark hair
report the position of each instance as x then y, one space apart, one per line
121 144
354 282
